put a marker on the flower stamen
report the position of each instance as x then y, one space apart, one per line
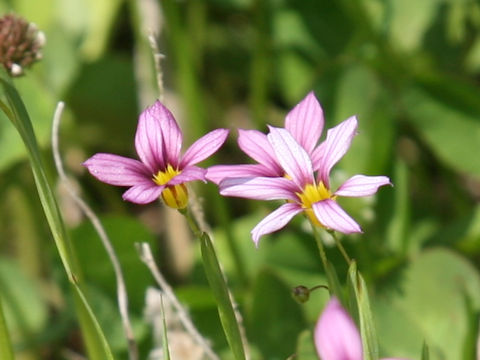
311 194
174 196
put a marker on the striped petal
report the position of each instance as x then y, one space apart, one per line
204 147
117 170
190 173
218 173
259 188
149 139
305 122
171 133
361 185
336 145
333 217
256 145
143 193
291 156
336 336
275 221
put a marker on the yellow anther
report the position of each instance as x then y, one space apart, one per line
310 195
162 177
175 196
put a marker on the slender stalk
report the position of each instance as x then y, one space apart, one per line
321 249
341 248
146 256
121 287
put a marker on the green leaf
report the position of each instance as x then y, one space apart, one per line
359 290
95 339
219 288
429 305
6 349
96 343
451 132
24 307
272 301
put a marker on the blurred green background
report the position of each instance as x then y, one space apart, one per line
409 69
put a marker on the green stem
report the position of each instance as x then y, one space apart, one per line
340 247
321 249
191 222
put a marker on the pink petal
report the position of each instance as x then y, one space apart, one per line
336 336
275 220
259 188
336 145
361 185
255 144
149 139
171 133
317 156
204 147
333 217
143 193
291 156
218 173
117 170
305 122
190 173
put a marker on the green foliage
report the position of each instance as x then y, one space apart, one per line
222 297
409 70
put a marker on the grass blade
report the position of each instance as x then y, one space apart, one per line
367 327
96 344
220 292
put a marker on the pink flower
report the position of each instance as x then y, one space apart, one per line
162 170
299 187
336 336
305 123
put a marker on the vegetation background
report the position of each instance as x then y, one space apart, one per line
409 69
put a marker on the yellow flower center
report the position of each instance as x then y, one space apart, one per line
311 194
175 196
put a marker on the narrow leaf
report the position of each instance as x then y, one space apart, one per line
367 328
95 341
220 292
97 346
166 351
6 349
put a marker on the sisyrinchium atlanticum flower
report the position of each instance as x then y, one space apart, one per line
305 122
300 188
162 170
336 336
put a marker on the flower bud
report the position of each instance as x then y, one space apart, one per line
20 44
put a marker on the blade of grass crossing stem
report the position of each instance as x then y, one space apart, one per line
166 352
367 327
6 349
97 346
220 292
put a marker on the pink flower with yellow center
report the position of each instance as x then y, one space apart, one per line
162 170
305 122
299 187
336 336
